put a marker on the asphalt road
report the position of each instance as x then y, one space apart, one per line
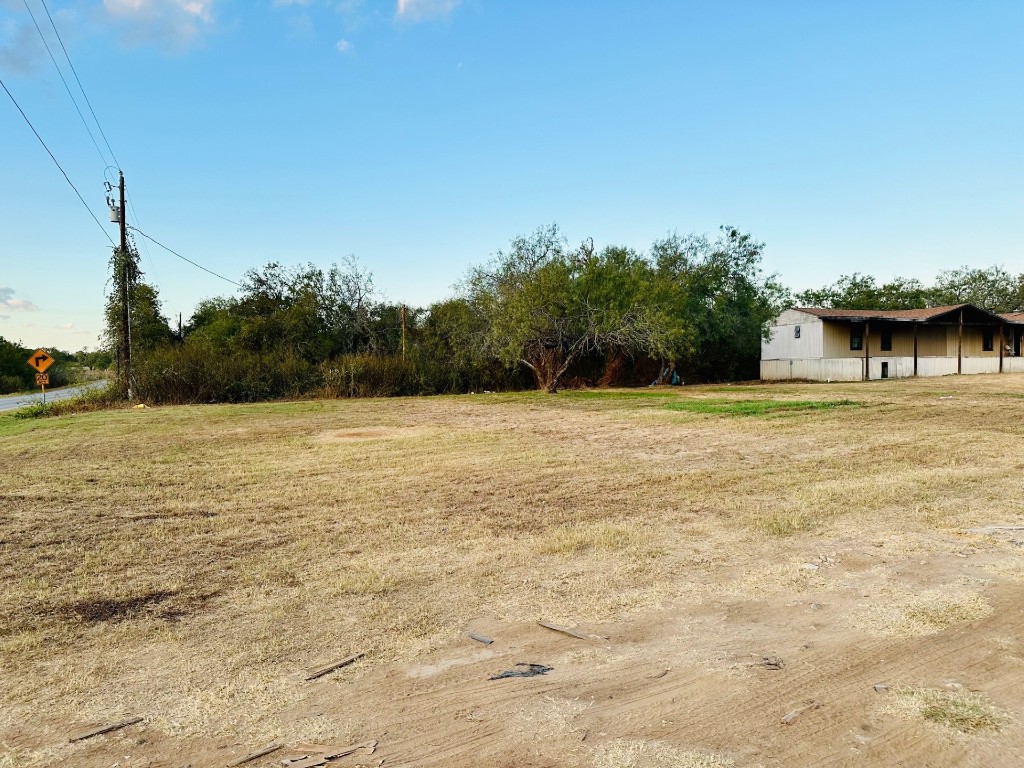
12 402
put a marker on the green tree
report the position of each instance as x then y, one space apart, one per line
718 293
147 327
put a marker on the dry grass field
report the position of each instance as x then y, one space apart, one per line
732 555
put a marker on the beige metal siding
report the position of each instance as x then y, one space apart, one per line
973 341
783 344
837 340
813 370
931 341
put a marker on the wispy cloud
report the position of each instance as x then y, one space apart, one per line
20 49
344 46
171 24
420 10
9 303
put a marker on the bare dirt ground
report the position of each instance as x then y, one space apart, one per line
729 568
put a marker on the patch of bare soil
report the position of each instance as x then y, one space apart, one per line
806 591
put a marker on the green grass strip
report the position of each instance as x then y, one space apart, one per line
757 407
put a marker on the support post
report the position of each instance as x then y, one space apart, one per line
867 354
1002 345
960 345
915 348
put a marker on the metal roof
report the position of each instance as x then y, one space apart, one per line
905 315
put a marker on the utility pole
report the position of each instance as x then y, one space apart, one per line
126 345
403 331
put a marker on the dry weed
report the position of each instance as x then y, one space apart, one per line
959 711
622 753
900 613
192 562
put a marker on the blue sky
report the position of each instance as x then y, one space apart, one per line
421 135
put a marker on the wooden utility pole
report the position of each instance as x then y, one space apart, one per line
403 331
126 345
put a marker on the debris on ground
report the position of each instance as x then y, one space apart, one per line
881 687
772 662
481 638
104 729
569 631
789 717
336 665
529 670
256 755
325 755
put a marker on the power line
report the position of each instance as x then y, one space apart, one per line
66 178
183 258
145 245
78 80
67 88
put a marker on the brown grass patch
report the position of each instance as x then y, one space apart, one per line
321 535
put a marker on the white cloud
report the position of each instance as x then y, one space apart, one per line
344 46
9 303
418 10
172 24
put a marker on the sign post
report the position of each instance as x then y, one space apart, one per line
41 360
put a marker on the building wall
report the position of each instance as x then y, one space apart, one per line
837 340
981 365
783 344
973 341
813 370
899 367
822 353
936 366
932 341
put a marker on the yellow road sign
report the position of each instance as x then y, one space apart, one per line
41 360
42 379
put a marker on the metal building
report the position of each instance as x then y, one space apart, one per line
860 344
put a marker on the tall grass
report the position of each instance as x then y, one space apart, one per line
201 373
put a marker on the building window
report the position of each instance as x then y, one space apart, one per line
986 341
887 341
856 337
796 331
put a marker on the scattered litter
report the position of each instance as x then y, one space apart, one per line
946 397
990 529
481 638
336 665
789 717
104 729
772 662
570 632
661 674
530 670
140 407
329 753
881 687
809 567
256 755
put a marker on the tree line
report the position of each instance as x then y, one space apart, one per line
541 313
991 288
